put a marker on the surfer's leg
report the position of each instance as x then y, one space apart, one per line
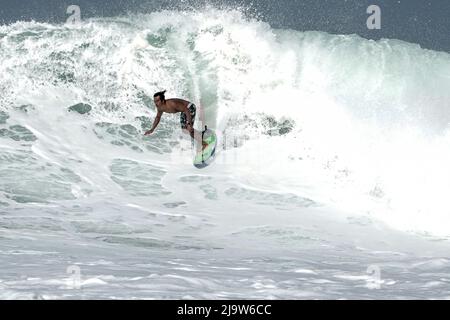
196 133
197 136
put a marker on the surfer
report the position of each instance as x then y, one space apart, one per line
187 115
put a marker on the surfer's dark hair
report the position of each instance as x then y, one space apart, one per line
160 95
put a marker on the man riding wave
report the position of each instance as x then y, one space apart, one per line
187 115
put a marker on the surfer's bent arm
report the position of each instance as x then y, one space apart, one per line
155 123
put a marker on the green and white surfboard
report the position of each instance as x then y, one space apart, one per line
203 158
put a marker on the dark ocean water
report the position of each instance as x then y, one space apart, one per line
416 21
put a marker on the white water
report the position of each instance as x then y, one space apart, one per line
334 160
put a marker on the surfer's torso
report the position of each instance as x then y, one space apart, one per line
174 105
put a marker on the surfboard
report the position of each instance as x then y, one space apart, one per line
204 158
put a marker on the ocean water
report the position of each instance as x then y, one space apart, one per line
331 178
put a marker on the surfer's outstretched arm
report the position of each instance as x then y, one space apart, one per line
155 123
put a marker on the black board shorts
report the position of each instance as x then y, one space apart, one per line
192 111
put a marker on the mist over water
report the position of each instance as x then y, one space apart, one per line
329 146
